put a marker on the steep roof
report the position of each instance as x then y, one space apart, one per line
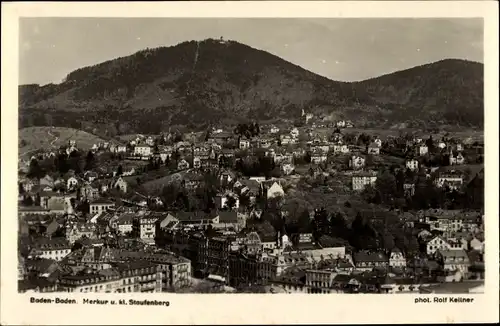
228 217
364 256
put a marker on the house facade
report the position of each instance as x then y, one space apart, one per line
142 150
412 165
359 182
435 244
397 259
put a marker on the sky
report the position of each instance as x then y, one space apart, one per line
345 49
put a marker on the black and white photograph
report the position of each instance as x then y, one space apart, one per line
250 155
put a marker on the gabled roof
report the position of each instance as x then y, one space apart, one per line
51 244
41 265
228 217
101 201
192 216
370 257
453 254
34 283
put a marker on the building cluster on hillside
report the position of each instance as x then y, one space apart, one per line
91 231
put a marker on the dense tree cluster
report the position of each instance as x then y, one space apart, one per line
247 130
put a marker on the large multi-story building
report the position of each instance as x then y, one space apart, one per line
132 276
147 227
88 281
55 248
100 206
139 276
175 270
218 252
142 150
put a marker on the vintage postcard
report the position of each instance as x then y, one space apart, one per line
249 162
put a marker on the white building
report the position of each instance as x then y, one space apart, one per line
150 141
244 144
275 191
357 162
373 149
412 165
196 163
100 206
340 148
121 149
359 182
71 183
287 169
183 164
435 244
452 180
147 228
397 259
142 150
423 150
55 249
476 244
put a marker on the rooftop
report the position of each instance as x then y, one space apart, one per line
101 201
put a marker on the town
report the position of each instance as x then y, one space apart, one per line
312 207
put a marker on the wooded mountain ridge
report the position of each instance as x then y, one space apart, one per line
195 84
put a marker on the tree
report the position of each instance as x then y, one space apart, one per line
245 201
37 200
338 226
48 119
111 130
89 161
73 202
21 189
320 223
119 171
76 246
430 144
362 234
388 241
412 247
307 157
169 195
304 222
370 194
34 170
84 207
230 202
27 201
386 187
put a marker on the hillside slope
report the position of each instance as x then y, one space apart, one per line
447 91
197 83
35 138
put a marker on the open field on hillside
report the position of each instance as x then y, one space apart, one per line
156 185
35 138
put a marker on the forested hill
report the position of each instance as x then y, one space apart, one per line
197 83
